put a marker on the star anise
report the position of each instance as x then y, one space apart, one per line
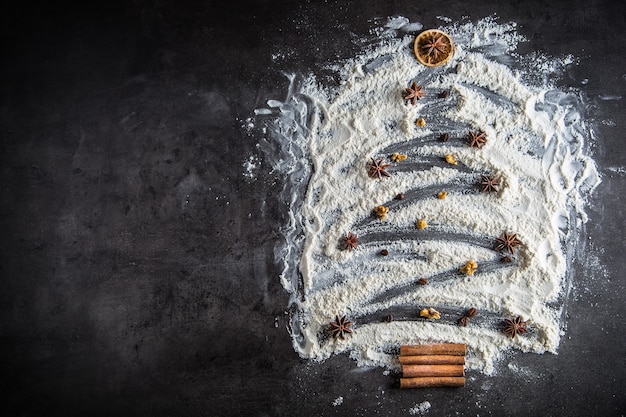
377 168
434 47
350 241
490 184
414 93
340 327
477 139
507 241
515 326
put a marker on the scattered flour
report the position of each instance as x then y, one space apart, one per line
337 401
420 409
535 144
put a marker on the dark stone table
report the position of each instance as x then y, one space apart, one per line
137 270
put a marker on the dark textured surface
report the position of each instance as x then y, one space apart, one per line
137 272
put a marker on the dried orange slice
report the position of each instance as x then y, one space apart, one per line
433 47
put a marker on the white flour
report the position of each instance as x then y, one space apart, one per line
536 144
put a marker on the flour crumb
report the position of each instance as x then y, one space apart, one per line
338 401
420 409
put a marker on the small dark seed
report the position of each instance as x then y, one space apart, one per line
422 281
400 196
471 312
443 94
384 252
444 137
388 318
463 321
507 259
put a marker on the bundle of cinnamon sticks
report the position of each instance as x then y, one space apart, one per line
440 365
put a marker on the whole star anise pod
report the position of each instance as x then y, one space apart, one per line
414 92
377 168
515 326
477 139
340 327
490 184
507 241
435 47
350 241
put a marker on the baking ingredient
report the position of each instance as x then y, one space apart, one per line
477 139
381 212
490 184
432 382
414 93
350 241
398 157
378 168
515 326
340 327
507 241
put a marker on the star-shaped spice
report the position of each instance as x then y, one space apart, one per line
377 168
340 327
435 47
414 92
515 326
490 184
350 241
507 241
477 139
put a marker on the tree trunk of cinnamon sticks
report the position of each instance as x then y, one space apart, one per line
439 365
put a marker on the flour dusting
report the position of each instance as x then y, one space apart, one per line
322 139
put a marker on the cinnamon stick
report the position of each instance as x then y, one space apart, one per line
432 370
432 381
456 349
432 360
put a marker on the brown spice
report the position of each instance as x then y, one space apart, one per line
388 318
464 321
507 241
477 139
384 252
414 93
377 168
515 326
350 241
490 184
400 196
340 327
422 281
443 94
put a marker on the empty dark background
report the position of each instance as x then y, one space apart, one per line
136 258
